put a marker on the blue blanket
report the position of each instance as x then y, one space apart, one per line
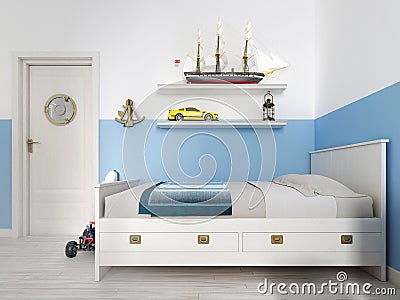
170 199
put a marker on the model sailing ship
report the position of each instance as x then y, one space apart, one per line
256 64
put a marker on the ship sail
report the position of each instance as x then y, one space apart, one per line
254 60
190 64
266 63
210 64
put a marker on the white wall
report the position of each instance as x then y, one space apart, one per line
138 41
351 45
357 50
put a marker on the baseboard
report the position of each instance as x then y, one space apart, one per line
393 276
6 233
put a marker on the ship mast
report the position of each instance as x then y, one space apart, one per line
198 60
245 58
245 53
218 52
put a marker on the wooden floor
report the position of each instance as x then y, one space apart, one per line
36 268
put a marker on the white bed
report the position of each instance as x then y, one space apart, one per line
285 230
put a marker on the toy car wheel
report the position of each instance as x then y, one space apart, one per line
178 117
71 249
208 117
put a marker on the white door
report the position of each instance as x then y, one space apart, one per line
60 166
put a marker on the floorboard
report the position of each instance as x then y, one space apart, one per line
36 268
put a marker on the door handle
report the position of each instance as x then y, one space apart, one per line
30 143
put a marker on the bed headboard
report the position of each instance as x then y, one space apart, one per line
361 167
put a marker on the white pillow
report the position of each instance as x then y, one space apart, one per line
311 185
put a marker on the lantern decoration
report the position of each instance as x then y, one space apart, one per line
268 107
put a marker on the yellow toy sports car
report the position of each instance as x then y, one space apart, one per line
191 113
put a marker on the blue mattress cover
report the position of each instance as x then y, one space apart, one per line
171 199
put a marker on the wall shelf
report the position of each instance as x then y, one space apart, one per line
220 124
189 89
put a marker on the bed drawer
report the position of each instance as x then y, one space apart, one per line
155 241
365 242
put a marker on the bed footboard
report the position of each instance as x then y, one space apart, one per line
361 167
101 192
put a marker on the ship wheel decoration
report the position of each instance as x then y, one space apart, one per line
60 109
125 116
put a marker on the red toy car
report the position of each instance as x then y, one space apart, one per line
86 242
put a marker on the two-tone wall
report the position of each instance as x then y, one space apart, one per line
138 43
373 117
357 89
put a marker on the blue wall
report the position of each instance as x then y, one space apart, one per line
236 153
293 142
376 116
5 173
110 147
212 154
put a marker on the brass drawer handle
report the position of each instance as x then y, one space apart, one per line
203 239
135 239
346 239
277 239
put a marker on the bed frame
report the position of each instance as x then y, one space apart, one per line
258 242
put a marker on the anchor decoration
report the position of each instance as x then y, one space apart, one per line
126 115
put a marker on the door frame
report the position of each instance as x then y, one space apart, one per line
20 124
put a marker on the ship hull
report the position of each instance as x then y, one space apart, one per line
224 77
